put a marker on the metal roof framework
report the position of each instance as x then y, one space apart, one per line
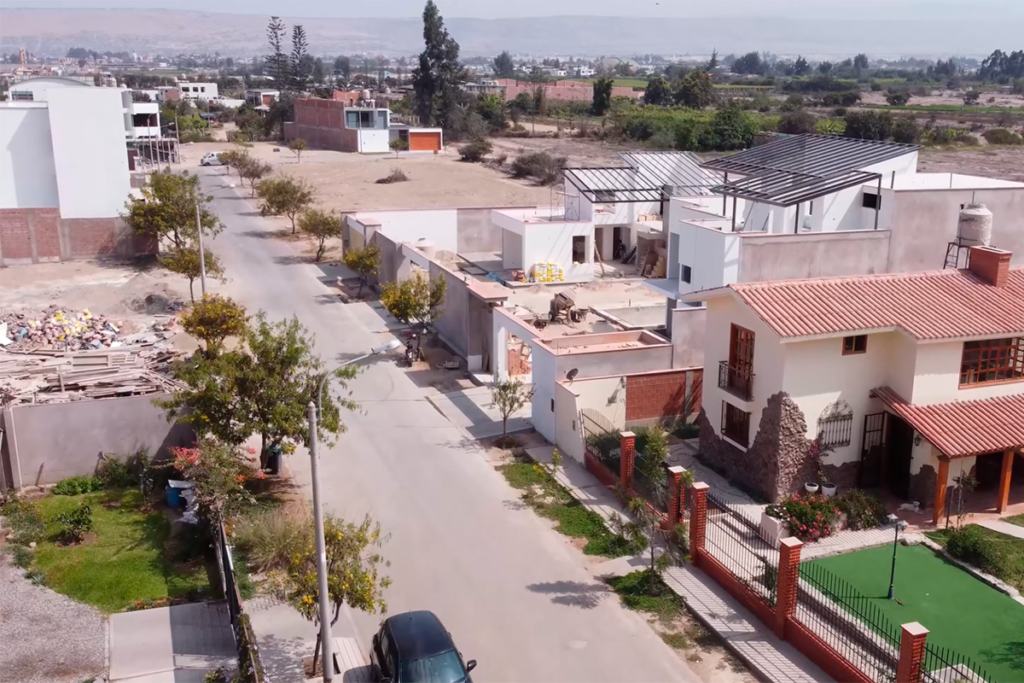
800 168
675 170
613 184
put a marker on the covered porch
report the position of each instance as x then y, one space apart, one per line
982 438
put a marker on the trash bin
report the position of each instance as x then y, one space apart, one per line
272 460
174 489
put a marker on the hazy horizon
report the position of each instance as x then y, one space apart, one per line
483 9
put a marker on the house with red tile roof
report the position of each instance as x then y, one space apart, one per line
904 381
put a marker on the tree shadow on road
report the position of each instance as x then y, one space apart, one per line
292 260
573 593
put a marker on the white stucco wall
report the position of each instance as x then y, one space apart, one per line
769 361
713 257
440 226
40 86
544 372
937 377
374 141
89 151
28 179
606 395
549 242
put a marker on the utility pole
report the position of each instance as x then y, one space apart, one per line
321 550
202 255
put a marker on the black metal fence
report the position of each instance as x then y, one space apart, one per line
602 438
227 571
736 543
945 666
847 622
653 489
250 667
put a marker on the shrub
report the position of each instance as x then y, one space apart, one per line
74 523
651 442
77 485
862 510
809 516
270 539
26 526
798 123
906 130
897 98
1001 136
397 175
686 430
113 473
868 125
475 151
540 166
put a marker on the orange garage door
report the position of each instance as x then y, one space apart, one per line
424 142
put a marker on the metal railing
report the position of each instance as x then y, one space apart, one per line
735 542
250 666
945 666
652 489
847 622
736 380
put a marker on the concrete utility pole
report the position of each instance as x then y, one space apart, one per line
321 550
202 256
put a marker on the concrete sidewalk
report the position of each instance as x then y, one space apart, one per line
744 634
475 412
1003 527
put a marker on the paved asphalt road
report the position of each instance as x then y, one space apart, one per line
515 596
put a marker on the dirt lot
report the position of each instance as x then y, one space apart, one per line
949 97
1003 162
347 182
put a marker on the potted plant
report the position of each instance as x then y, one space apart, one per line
811 486
773 523
818 453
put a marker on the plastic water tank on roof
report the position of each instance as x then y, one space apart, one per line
428 248
974 227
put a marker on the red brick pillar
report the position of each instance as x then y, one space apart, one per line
627 453
786 583
698 519
675 495
911 663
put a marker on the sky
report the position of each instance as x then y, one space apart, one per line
492 9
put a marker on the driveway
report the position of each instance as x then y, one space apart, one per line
459 545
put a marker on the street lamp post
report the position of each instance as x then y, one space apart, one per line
898 525
314 416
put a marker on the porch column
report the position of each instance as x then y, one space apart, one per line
1004 481
627 453
939 504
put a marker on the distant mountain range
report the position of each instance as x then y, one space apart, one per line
53 31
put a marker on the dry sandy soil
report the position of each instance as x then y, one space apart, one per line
347 182
1003 162
950 97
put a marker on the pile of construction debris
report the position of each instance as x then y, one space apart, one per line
55 357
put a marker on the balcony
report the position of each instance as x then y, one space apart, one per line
737 381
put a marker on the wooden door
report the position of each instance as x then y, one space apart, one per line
741 350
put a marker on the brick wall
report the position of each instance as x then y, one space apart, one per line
662 395
321 124
562 91
816 650
41 235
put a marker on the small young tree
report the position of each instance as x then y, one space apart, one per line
971 97
297 146
354 566
213 319
416 301
509 395
167 210
321 225
642 533
398 145
364 261
897 98
253 170
185 261
285 196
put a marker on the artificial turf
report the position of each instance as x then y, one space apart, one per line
961 613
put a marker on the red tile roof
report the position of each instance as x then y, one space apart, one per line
964 428
945 304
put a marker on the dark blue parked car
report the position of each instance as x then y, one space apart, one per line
416 648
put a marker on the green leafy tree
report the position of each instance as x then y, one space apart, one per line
868 125
801 66
185 261
219 472
642 533
509 395
897 98
322 226
301 62
167 210
252 170
213 319
364 261
398 145
285 196
658 92
261 387
713 62
416 301
906 130
825 68
971 97
277 64
696 90
343 67
798 123
750 64
354 572
730 128
298 146
602 96
319 71
860 63
436 79
504 67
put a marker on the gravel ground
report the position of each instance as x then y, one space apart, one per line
46 637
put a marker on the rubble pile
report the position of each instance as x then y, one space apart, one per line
57 329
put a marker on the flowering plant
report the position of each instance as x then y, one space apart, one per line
810 517
220 472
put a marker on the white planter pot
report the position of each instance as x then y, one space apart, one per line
828 490
772 529
811 488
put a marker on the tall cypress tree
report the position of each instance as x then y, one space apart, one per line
301 63
277 61
436 79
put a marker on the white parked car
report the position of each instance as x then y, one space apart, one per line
211 159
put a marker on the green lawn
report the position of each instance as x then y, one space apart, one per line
1016 519
961 613
127 558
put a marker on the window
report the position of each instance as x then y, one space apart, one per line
735 424
685 273
202 89
857 344
872 201
992 360
22 96
351 119
835 430
552 405
579 249
366 119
